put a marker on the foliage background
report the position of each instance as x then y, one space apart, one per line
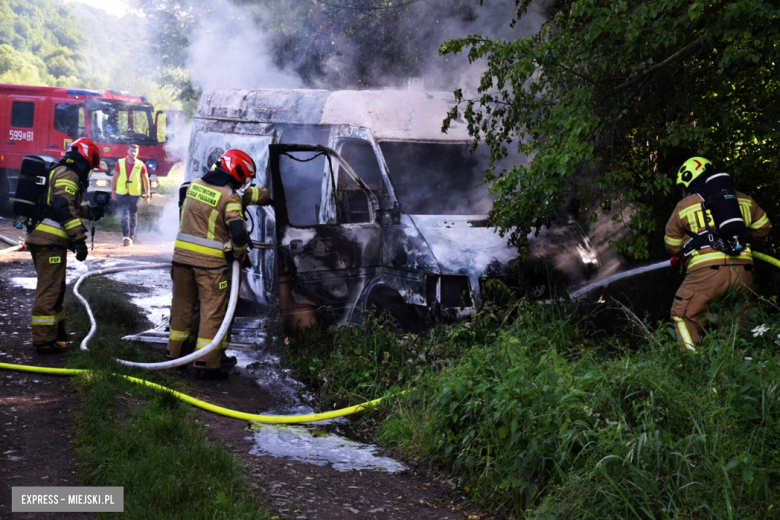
610 98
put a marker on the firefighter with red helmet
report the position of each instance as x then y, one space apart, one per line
713 255
60 229
212 224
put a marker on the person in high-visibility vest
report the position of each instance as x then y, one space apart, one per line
130 183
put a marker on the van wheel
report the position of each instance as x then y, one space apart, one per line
397 316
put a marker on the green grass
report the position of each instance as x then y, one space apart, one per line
537 415
146 440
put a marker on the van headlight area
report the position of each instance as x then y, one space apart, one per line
101 183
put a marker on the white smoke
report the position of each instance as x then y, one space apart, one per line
231 50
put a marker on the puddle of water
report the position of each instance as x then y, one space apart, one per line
25 283
298 443
303 443
72 273
155 299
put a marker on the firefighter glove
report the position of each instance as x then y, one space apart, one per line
81 250
96 212
246 263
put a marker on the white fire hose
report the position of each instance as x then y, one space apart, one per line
15 246
199 353
9 241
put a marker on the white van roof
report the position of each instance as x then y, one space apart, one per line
390 115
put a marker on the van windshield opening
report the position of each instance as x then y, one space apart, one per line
438 178
117 122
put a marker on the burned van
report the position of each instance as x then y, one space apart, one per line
373 206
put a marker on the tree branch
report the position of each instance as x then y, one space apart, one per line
677 55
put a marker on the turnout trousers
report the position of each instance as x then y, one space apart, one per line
699 288
48 314
203 292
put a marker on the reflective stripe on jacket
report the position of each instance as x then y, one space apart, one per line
63 183
133 185
688 216
203 230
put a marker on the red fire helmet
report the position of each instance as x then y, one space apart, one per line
88 150
238 164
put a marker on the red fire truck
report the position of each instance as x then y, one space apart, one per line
46 120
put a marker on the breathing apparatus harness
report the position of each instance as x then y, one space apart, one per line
725 226
218 177
31 204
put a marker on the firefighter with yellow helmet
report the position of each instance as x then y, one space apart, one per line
212 222
708 233
60 229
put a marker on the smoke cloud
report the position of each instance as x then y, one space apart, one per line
231 50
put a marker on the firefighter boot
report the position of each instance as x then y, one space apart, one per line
52 347
226 361
210 374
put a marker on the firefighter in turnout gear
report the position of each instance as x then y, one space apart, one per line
59 230
709 231
252 196
212 232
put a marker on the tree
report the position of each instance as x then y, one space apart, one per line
40 40
20 67
611 97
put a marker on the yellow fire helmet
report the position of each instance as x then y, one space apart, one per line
691 169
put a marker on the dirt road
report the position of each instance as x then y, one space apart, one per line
37 434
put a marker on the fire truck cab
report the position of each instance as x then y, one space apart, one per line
46 120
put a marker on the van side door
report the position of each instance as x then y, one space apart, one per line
323 261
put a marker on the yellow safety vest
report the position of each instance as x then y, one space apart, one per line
133 185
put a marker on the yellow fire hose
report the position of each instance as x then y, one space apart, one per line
227 412
266 419
766 258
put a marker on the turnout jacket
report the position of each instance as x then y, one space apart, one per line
62 224
254 196
688 216
204 230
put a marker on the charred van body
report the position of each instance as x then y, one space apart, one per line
374 206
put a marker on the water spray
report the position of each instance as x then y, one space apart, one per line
619 276
674 262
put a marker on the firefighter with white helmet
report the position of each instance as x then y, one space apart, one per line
59 230
212 224
709 233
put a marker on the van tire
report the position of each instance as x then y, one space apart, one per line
402 316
